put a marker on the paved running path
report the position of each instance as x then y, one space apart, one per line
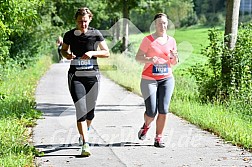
113 135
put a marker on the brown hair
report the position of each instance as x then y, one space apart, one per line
82 12
159 15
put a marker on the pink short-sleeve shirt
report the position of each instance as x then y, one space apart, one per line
152 48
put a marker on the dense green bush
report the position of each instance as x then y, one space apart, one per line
16 17
192 19
212 19
232 83
208 76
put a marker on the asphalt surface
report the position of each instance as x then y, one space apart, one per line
113 134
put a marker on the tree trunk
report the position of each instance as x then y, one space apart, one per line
231 30
125 26
231 26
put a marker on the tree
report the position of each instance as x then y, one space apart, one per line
179 10
231 30
231 26
125 26
210 12
16 18
124 6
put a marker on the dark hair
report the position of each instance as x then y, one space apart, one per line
82 12
159 15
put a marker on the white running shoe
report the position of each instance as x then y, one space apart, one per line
85 151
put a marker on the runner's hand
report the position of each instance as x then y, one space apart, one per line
158 60
87 55
70 56
173 57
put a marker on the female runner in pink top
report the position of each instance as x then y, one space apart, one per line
159 52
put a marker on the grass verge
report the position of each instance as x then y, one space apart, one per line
17 113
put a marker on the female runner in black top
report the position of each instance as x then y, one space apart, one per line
80 46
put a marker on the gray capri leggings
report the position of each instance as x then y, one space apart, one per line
157 95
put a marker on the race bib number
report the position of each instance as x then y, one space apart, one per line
84 64
160 69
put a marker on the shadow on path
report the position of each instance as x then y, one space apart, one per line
51 148
55 110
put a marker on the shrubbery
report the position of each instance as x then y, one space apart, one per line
227 76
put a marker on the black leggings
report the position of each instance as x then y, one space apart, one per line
84 92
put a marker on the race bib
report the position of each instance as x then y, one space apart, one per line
83 64
160 69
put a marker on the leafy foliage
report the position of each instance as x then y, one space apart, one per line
16 17
210 12
231 83
180 12
208 76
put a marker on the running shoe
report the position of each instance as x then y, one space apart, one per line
85 151
159 143
142 132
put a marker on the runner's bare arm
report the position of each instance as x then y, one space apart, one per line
140 57
102 53
65 52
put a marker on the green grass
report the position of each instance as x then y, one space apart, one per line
226 122
217 119
124 71
17 114
189 43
